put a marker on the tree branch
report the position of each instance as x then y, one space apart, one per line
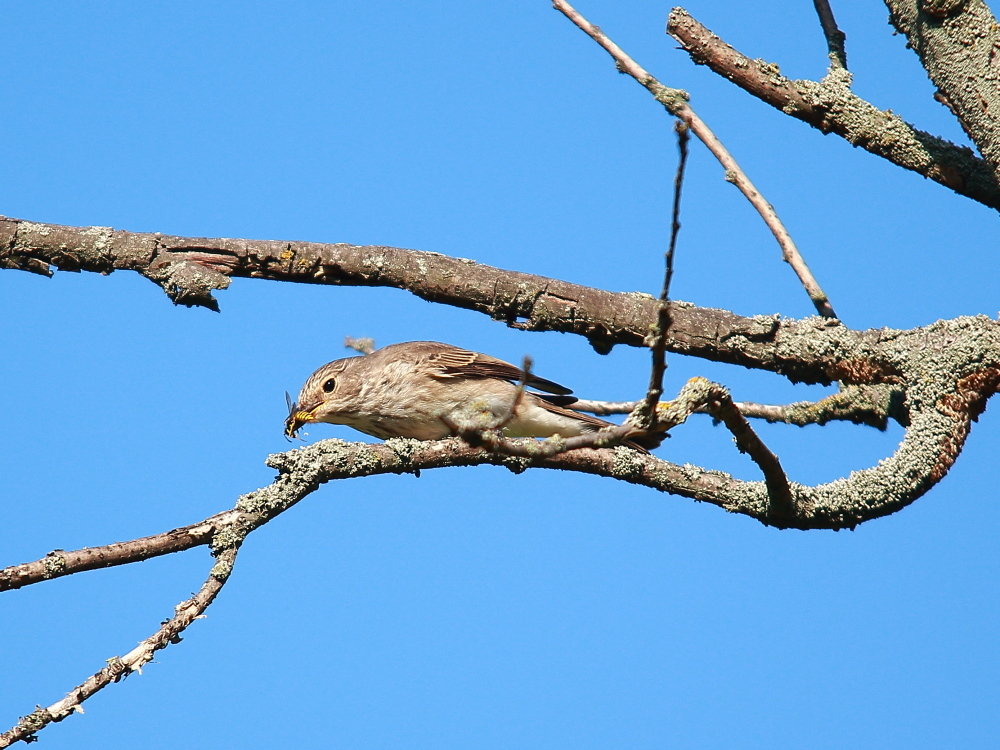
702 393
119 667
811 350
835 38
523 301
831 107
644 413
872 405
942 403
675 102
59 563
957 42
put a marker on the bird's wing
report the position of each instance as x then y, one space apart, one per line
455 362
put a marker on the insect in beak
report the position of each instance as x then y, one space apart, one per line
295 419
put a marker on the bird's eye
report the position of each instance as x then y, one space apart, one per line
329 385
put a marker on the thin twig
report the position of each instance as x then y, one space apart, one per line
556 445
675 218
476 423
119 667
675 102
508 416
658 340
782 505
603 408
872 405
835 38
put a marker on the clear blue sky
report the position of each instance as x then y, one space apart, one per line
468 608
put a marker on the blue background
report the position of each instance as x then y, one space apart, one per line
469 607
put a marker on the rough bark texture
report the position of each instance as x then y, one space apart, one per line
831 107
958 42
812 350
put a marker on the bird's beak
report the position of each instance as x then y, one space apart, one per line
296 418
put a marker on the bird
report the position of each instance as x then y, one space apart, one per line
422 389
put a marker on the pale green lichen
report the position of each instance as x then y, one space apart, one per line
516 464
230 536
627 463
55 564
404 447
222 569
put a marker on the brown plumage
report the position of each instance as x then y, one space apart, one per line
410 389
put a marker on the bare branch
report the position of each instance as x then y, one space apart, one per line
872 405
522 382
831 107
957 44
928 448
675 102
523 301
835 38
495 442
811 350
603 408
720 404
644 414
119 667
60 563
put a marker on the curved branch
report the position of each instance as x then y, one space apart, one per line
937 433
831 107
931 444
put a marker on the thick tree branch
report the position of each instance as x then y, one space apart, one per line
925 453
523 301
811 350
832 107
937 432
957 43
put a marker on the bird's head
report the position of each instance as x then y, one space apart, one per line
328 395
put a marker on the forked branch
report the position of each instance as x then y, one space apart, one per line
120 667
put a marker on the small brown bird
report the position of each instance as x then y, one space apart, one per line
413 389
